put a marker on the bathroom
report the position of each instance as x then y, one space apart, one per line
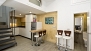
81 26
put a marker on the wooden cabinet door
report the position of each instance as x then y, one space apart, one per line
23 19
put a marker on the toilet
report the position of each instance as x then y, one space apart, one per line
85 38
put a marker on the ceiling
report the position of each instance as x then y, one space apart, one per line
22 8
48 0
2 1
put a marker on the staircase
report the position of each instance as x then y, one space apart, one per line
7 38
7 34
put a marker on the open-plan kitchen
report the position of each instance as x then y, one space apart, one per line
45 25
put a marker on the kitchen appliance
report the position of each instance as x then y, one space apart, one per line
35 26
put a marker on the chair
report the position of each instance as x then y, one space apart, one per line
43 34
37 36
58 36
67 37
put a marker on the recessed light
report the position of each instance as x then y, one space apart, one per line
19 14
30 12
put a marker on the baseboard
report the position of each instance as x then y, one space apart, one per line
17 35
23 37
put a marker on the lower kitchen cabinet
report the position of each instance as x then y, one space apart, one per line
22 32
16 31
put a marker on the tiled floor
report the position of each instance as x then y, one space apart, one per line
25 45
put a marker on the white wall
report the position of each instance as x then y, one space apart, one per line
78 1
66 11
88 21
89 49
89 32
46 3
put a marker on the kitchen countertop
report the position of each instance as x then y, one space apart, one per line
34 31
19 27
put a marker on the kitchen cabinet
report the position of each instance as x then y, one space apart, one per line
28 29
22 32
12 21
16 31
30 18
23 19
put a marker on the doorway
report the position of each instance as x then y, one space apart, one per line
80 31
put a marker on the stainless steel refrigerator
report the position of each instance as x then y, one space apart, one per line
35 26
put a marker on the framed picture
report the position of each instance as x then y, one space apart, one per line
49 20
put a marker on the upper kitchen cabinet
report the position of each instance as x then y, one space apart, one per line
30 18
23 19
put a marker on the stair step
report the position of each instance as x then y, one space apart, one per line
4 28
3 32
3 36
5 41
7 45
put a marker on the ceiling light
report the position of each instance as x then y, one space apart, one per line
30 12
19 14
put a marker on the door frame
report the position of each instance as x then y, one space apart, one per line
88 14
